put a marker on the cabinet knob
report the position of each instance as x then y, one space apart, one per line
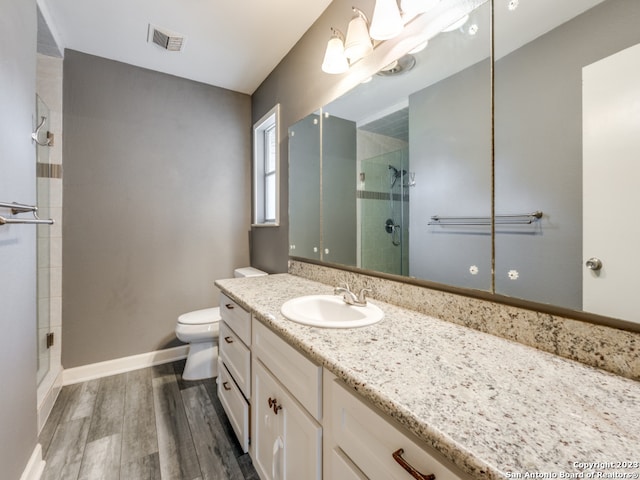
397 456
229 306
228 339
226 386
273 403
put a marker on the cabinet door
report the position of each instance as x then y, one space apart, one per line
287 441
302 442
267 438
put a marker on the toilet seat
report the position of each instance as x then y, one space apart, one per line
200 317
199 325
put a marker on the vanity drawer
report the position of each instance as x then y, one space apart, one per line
235 406
236 317
236 357
370 440
297 373
340 467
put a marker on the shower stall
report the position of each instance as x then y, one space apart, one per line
383 208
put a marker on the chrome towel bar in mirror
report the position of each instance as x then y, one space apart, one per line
507 219
17 208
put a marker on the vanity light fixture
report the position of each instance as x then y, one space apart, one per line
386 22
358 43
335 61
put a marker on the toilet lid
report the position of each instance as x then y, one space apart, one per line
199 317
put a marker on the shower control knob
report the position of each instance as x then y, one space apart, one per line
593 263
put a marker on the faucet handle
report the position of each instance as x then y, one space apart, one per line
362 297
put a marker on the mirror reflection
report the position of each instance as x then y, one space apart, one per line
402 147
565 132
566 143
304 187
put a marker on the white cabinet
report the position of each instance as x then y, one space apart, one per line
305 423
297 373
363 443
234 367
287 410
287 440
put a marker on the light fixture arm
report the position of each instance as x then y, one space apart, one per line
337 34
357 11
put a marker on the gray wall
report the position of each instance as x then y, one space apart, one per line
18 423
538 150
300 86
450 152
156 204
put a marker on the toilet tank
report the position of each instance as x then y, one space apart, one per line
248 272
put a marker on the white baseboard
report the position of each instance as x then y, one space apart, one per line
48 391
121 365
35 466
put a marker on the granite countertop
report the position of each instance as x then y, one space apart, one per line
495 408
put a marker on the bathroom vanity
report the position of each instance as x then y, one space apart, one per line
438 397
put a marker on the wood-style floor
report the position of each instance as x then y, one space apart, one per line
145 424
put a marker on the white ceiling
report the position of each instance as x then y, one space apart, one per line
233 44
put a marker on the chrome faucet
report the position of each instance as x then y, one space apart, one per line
351 298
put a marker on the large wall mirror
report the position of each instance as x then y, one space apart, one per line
410 143
402 175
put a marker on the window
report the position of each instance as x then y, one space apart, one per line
266 180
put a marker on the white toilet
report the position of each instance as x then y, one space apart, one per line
200 330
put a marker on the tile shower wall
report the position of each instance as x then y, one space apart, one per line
375 204
49 88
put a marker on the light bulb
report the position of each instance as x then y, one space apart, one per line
334 60
386 22
358 44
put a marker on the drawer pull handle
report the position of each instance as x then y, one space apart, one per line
397 456
226 386
229 306
228 339
273 403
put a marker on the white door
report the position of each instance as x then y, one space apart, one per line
611 184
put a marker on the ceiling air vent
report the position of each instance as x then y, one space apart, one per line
166 39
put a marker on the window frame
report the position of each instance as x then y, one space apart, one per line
268 124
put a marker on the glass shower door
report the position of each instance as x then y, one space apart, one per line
43 245
383 197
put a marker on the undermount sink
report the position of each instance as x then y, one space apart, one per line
330 311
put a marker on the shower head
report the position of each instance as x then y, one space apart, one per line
395 173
